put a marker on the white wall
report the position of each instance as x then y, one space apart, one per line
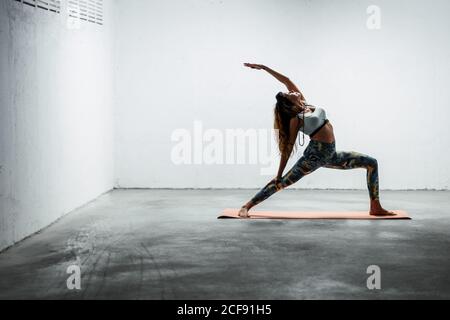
56 125
385 90
178 61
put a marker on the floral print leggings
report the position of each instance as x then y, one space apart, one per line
321 154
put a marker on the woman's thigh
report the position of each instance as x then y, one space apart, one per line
346 160
306 165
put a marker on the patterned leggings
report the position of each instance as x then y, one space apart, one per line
320 154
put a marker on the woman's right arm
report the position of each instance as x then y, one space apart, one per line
282 78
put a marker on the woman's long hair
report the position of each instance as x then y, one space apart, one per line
285 110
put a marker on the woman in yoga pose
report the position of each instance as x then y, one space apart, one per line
294 114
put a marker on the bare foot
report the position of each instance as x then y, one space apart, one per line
243 213
381 213
377 210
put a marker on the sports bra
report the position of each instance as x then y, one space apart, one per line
313 121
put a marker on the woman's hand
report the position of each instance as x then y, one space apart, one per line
255 66
277 182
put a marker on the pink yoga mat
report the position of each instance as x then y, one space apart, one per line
328 215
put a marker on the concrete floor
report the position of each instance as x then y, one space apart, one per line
161 244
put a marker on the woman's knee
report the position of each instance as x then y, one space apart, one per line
372 162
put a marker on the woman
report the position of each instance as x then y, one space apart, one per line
293 114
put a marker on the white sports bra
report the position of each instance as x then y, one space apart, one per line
313 121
